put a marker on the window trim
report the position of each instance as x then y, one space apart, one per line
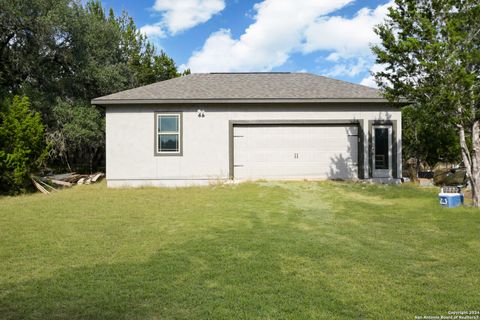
157 115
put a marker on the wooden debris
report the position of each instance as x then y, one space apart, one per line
39 186
44 184
97 176
61 177
61 183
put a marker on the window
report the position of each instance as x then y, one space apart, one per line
168 134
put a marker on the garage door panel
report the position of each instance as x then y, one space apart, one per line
285 171
295 152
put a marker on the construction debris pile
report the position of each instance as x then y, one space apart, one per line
51 183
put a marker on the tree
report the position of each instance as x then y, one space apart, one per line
62 54
78 139
431 53
32 54
74 51
22 145
423 141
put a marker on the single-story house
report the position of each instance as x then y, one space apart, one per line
205 128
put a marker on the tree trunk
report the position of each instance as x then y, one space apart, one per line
67 162
471 160
475 180
417 156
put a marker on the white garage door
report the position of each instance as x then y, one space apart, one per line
295 151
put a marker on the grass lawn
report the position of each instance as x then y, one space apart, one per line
267 250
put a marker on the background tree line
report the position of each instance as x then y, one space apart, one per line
61 54
431 53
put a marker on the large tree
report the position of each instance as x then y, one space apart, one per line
62 48
431 53
63 53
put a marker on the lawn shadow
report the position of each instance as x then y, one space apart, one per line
184 282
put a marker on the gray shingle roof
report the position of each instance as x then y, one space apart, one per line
245 87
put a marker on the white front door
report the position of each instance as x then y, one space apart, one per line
295 151
382 151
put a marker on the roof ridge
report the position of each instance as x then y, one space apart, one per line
248 86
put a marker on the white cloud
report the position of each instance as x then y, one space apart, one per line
284 27
351 68
333 57
370 80
348 40
152 31
278 31
180 15
346 37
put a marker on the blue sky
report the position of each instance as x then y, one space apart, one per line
327 37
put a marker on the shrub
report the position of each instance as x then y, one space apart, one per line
22 145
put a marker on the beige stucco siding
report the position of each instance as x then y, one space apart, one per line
131 159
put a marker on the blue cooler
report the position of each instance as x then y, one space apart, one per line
450 200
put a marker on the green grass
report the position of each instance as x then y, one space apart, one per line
267 250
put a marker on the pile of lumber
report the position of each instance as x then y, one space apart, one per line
69 179
48 184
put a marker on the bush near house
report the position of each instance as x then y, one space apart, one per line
22 145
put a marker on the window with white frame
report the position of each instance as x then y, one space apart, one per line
168 133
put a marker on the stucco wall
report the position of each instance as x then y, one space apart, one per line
130 139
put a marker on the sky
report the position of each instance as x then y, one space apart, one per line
325 37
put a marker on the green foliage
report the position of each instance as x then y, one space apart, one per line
22 145
52 49
424 139
431 54
33 50
63 53
78 138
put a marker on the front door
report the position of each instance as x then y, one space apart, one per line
382 151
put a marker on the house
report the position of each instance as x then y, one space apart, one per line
203 128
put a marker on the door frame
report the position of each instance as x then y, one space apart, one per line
394 147
383 173
360 150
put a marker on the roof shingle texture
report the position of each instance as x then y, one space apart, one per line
245 86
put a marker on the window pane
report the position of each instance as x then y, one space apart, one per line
168 124
381 148
168 142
